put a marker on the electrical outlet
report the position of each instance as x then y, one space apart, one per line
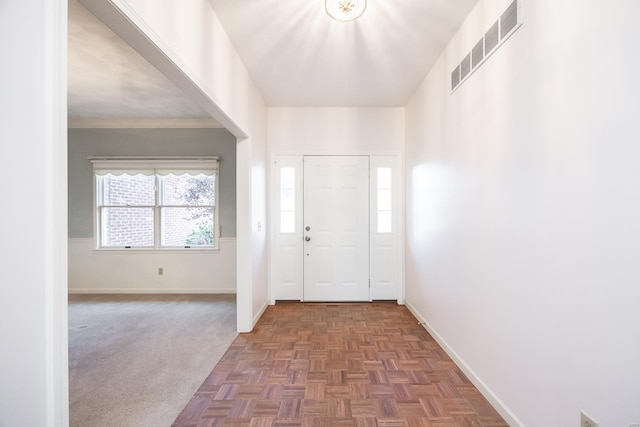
160 271
587 421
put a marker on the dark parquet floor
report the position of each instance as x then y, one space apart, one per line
335 365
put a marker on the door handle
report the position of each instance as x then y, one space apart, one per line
307 238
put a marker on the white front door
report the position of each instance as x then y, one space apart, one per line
336 228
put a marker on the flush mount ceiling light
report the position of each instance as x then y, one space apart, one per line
345 10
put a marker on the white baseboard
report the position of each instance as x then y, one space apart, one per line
152 291
257 317
488 394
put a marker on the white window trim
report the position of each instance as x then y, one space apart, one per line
206 165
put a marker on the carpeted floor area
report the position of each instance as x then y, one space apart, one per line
337 365
136 360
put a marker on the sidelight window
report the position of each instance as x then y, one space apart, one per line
384 200
287 200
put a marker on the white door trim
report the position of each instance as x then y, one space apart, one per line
294 291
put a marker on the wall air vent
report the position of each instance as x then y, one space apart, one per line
492 37
455 77
477 54
465 67
510 20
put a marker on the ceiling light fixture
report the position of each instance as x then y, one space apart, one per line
345 10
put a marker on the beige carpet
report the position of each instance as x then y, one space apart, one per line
136 360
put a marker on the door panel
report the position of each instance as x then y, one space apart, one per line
336 213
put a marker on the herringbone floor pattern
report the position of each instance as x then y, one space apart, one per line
334 365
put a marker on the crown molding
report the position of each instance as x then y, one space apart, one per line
86 123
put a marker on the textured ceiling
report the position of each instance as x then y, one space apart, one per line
298 56
107 79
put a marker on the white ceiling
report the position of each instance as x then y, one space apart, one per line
298 56
295 53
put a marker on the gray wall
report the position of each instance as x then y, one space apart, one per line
85 143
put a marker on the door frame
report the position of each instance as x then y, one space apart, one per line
285 272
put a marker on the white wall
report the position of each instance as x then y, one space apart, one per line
336 131
121 271
186 42
522 211
258 241
33 310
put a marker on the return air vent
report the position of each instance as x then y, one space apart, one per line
477 54
455 77
492 37
510 20
465 67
